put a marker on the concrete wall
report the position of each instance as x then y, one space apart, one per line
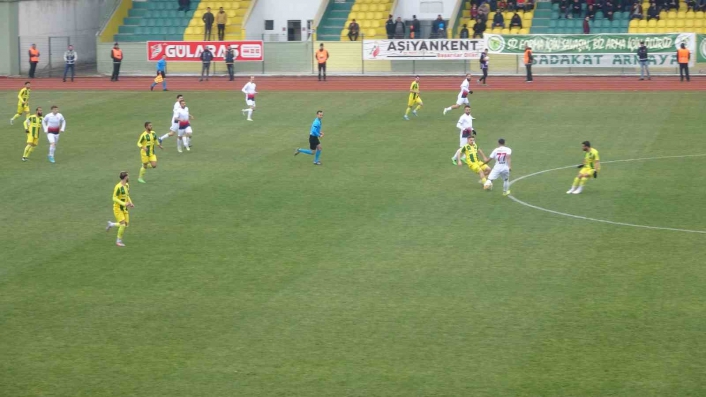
9 29
281 12
407 8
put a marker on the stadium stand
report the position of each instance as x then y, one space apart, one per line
236 10
673 21
155 20
371 15
548 20
465 18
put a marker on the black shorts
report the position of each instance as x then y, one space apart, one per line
313 142
161 73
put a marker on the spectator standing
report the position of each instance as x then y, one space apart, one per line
33 60
528 58
230 59
642 57
321 57
586 26
415 31
221 22
207 19
184 5
161 74
399 28
564 8
498 20
441 33
516 21
435 27
353 31
390 28
70 59
206 58
117 54
683 57
478 28
590 12
636 12
608 10
474 12
464 32
652 12
484 11
575 9
690 5
484 66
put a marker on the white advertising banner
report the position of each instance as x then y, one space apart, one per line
416 50
601 61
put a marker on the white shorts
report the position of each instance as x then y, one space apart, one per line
462 101
502 172
463 141
53 138
186 130
250 102
174 127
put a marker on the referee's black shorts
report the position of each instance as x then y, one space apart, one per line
313 142
161 73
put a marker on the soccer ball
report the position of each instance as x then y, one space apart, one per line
488 186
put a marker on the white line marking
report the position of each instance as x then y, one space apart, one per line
603 220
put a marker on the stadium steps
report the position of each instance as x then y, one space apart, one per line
542 15
236 10
334 20
556 25
155 20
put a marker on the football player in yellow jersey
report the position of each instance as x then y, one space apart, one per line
470 151
590 168
414 99
147 142
22 102
121 203
33 125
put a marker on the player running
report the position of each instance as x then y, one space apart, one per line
249 91
503 164
33 125
175 125
22 102
183 118
465 122
314 134
54 124
146 143
463 95
470 150
590 168
121 203
414 99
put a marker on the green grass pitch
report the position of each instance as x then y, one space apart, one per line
385 272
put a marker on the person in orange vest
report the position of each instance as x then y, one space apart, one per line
117 54
528 58
321 58
33 60
683 57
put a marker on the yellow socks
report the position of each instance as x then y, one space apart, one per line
121 231
406 113
577 180
28 150
583 181
418 107
142 172
16 116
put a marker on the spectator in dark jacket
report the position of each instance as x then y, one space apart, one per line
590 12
399 28
390 27
586 26
464 32
230 59
636 12
672 5
498 20
206 58
478 28
563 8
184 5
516 21
575 9
642 58
353 31
207 19
608 10
415 31
435 27
652 12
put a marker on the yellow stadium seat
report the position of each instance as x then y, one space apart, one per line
681 23
375 24
632 30
507 15
524 31
699 23
671 23
633 23
344 32
505 31
652 23
364 7
662 15
672 15
369 15
378 15
356 7
661 24
700 14
189 31
690 15
371 33
689 23
497 31
645 5
466 13
658 30
353 15
681 15
642 24
528 16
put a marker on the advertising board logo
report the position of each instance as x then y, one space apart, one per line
156 50
702 49
496 43
684 38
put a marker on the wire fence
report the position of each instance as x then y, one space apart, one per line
51 49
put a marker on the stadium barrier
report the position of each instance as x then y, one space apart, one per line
51 50
580 55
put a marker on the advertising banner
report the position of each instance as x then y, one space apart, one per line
411 50
602 61
190 51
701 56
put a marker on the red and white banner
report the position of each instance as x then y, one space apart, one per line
187 51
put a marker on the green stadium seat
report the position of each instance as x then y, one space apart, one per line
552 23
555 15
173 14
152 22
152 6
555 7
597 23
626 15
163 30
166 22
143 22
599 15
561 23
625 23
172 30
615 23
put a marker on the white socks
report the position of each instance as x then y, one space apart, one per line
250 113
186 140
163 137
506 185
52 148
113 224
179 143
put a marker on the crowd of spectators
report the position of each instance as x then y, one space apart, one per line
398 29
575 9
484 7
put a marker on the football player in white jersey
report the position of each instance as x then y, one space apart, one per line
54 124
465 123
249 91
175 126
462 95
503 163
183 118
